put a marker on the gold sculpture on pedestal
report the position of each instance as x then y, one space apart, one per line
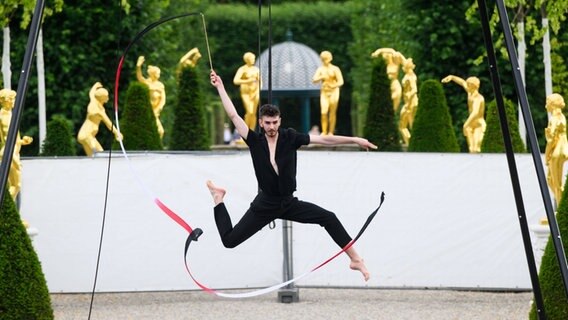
410 98
474 126
556 151
190 58
157 90
248 78
7 100
331 80
95 114
394 60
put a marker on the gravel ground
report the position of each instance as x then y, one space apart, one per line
314 304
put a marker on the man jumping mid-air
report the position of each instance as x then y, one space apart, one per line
274 156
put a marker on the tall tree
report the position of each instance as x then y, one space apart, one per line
552 14
445 45
7 10
374 24
86 41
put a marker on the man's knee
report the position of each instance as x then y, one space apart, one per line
230 243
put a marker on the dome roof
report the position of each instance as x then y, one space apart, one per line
293 66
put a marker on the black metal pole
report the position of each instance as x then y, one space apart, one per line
531 133
20 97
511 156
269 52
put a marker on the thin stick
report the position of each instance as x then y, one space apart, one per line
206 40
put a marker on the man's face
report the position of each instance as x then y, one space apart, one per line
270 125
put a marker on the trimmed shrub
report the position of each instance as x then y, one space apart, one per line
59 140
432 130
138 124
493 137
380 127
551 284
190 130
23 290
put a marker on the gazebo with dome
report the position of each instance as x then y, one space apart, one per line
293 66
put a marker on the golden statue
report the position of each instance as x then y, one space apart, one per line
394 60
331 80
556 144
410 98
157 90
95 114
474 126
7 100
248 78
189 59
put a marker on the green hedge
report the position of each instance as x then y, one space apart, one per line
493 137
23 290
59 139
138 124
551 284
380 127
432 130
190 130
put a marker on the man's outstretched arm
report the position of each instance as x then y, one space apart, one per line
239 123
333 140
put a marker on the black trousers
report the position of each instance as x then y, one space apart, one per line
265 209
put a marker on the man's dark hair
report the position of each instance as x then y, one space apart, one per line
269 110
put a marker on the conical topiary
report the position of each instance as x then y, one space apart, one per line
432 130
550 279
137 123
59 140
493 137
190 130
380 127
23 290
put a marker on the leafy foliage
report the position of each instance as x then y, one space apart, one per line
432 130
85 41
452 45
189 131
380 127
59 140
138 125
374 24
234 30
9 7
493 137
23 290
83 44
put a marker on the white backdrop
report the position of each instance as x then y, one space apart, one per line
449 220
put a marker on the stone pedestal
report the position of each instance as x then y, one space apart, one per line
541 232
32 232
289 295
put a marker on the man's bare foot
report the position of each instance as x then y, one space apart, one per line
216 192
360 266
